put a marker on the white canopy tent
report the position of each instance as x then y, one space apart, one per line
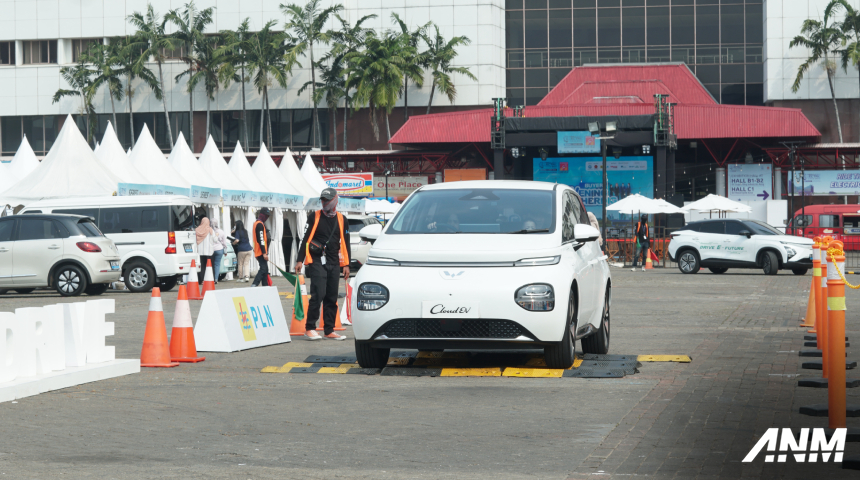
150 161
25 160
291 171
312 175
69 170
113 158
716 203
373 206
7 178
184 162
242 170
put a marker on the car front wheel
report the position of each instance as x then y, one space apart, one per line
599 342
96 288
799 271
688 262
769 263
718 270
167 283
369 357
562 354
70 281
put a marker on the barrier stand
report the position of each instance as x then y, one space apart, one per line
809 319
834 350
815 297
193 286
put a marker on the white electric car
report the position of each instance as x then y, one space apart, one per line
722 244
484 265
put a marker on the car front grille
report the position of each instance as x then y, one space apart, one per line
452 328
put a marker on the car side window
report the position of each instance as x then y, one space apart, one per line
713 227
6 228
583 214
735 228
39 229
568 218
828 221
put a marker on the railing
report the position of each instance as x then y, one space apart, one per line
621 246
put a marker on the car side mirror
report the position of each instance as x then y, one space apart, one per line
585 233
370 233
746 233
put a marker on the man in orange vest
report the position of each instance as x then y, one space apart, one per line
261 248
325 250
641 235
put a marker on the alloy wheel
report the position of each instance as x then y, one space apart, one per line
69 281
606 305
687 261
571 307
138 277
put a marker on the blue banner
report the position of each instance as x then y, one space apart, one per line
827 182
626 176
344 205
132 189
206 195
578 142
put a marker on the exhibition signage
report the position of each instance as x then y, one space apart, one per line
578 142
398 185
344 205
748 182
206 195
240 318
133 189
346 184
827 182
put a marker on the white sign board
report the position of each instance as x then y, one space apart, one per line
240 318
749 181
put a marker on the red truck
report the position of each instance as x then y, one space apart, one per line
842 222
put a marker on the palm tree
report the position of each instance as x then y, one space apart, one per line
190 24
377 73
109 71
127 55
267 61
235 51
207 67
417 63
331 87
150 29
347 39
821 38
307 25
850 28
80 78
439 56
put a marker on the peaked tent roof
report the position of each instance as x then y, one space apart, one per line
113 158
214 164
149 160
265 170
242 170
25 160
291 172
313 177
69 170
184 162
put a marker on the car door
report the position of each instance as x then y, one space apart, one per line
711 236
579 259
738 248
7 230
38 246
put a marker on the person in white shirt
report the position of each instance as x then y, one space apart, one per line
219 243
205 245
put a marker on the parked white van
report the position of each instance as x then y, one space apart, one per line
154 234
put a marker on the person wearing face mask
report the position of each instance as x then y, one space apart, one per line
325 251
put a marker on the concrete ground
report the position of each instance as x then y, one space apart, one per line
222 418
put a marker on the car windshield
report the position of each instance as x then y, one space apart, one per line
761 228
480 210
355 225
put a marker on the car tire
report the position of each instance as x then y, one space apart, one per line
70 280
96 288
799 271
369 357
24 291
166 284
598 343
563 353
139 277
769 263
718 270
688 262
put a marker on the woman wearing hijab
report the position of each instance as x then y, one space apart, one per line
244 252
219 243
592 219
205 245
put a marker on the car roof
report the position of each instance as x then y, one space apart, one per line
58 216
110 201
495 184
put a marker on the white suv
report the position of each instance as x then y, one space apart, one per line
484 265
65 252
722 244
359 246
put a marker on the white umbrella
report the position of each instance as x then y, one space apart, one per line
668 207
717 203
636 204
379 206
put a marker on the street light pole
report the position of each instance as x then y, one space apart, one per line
604 200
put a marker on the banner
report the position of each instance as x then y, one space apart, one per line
350 184
578 142
240 318
750 182
133 189
207 195
398 186
246 198
625 177
827 182
344 205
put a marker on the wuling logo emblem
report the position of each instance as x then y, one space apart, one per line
244 318
798 446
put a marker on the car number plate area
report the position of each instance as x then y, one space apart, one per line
114 265
450 309
189 248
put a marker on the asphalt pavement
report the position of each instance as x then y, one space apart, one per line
222 418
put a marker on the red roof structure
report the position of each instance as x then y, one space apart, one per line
613 90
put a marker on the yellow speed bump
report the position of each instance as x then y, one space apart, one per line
533 372
285 368
665 358
471 372
345 368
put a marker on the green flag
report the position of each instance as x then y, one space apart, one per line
298 308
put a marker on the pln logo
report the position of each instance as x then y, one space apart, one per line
252 318
562 167
802 449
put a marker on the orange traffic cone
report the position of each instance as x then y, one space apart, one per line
297 327
648 265
208 279
155 352
193 285
182 346
809 319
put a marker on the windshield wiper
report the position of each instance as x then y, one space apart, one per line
530 230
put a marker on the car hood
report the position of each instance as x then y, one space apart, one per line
807 242
464 247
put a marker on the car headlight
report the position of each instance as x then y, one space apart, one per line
790 251
534 262
537 297
372 296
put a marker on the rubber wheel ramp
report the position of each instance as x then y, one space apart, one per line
816 365
822 382
411 372
809 353
594 373
328 359
851 463
609 357
814 336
